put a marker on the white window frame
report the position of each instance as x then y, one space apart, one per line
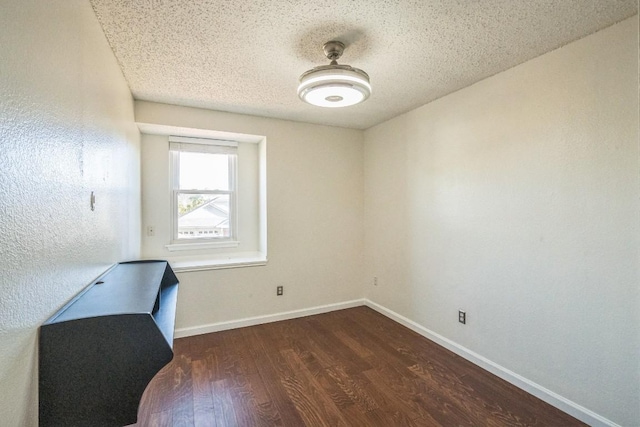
179 144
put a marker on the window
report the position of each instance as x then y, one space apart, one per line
176 200
203 191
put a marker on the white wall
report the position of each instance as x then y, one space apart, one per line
67 129
314 215
516 199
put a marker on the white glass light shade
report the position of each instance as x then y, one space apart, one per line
334 86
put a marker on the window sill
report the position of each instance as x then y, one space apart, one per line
202 263
202 245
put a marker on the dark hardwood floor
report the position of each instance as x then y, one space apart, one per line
351 367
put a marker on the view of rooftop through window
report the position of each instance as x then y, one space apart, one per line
204 198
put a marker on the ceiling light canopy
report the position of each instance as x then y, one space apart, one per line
334 85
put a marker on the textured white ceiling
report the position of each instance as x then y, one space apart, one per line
246 56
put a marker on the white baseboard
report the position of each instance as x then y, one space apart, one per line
554 399
259 320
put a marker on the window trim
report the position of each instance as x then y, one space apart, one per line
214 258
178 144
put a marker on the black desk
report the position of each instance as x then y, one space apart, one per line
99 352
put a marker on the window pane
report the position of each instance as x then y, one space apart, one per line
203 216
203 171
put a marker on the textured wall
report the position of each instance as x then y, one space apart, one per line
516 199
66 129
314 210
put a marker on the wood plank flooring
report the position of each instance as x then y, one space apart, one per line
351 367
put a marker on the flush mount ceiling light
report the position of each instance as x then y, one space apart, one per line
334 85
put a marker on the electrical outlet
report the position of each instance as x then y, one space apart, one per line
375 281
462 317
280 290
151 230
